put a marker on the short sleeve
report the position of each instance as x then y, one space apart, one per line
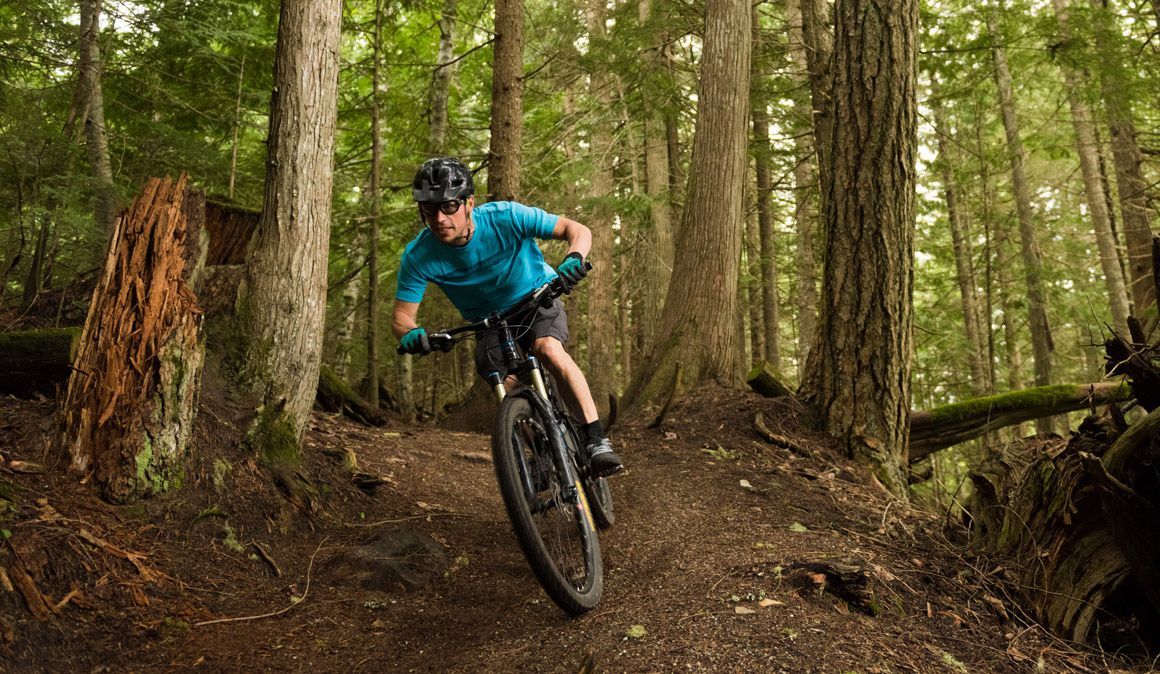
533 222
412 285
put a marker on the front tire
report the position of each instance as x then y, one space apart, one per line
552 519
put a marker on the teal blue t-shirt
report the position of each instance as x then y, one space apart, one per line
499 266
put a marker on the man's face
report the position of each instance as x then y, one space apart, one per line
452 228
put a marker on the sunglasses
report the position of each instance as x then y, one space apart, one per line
446 208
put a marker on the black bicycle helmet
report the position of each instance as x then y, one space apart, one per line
442 179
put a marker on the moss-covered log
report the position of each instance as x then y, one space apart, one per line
932 430
36 361
127 415
335 395
766 380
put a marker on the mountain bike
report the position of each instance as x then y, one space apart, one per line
553 499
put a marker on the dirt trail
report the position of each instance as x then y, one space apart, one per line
699 571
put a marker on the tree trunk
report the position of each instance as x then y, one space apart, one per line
441 80
656 260
858 377
805 192
980 383
372 373
33 282
1041 343
507 102
92 101
127 415
237 128
1132 187
818 46
601 300
283 297
698 317
768 347
1089 161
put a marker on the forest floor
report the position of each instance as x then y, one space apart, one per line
702 567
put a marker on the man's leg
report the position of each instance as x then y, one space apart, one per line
578 396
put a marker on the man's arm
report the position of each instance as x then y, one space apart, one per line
405 318
578 236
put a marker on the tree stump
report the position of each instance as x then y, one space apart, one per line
128 411
1081 542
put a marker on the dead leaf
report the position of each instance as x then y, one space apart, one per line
742 610
997 604
669 435
766 603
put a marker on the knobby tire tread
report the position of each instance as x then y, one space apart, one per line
568 598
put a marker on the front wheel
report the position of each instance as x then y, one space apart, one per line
551 517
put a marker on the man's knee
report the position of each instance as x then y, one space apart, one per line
551 351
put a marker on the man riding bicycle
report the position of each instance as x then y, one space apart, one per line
485 259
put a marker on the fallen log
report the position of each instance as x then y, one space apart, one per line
942 427
766 380
36 361
335 395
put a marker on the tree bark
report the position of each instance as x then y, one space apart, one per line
601 300
1078 528
858 377
768 347
92 102
1041 342
372 373
1135 212
656 261
698 317
127 414
507 102
1089 161
441 80
980 382
283 297
805 192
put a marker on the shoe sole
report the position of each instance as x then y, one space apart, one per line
609 472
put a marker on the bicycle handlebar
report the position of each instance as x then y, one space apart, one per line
444 339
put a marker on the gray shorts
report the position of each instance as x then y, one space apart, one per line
526 328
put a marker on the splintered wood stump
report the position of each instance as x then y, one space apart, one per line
128 412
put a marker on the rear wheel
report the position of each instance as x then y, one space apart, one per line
552 519
596 488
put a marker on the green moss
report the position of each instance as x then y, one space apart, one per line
231 540
220 470
274 438
1042 396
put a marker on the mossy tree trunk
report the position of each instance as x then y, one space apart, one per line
128 412
698 320
283 296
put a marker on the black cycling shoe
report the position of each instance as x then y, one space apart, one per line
604 461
